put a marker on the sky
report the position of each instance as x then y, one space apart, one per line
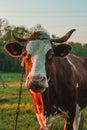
56 16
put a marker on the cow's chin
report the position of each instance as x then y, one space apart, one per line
37 87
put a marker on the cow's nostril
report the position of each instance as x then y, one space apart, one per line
43 79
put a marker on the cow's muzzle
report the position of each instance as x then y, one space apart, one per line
36 84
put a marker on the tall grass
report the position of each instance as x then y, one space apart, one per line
8 105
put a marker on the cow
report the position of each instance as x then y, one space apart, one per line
56 79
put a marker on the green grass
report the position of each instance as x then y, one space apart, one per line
8 105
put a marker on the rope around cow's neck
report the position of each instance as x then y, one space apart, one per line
19 100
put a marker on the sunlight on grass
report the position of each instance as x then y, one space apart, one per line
23 106
11 84
8 105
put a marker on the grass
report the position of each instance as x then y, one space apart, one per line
8 105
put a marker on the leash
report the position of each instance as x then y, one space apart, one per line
19 100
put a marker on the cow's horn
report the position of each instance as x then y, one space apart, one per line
19 39
64 38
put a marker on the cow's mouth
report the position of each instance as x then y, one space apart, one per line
36 83
37 87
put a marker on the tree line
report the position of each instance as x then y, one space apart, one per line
9 64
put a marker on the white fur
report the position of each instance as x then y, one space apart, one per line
77 86
71 63
38 50
77 118
51 118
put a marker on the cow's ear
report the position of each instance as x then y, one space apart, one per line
14 49
62 50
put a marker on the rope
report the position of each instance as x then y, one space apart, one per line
19 101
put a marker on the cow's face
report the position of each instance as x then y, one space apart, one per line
38 49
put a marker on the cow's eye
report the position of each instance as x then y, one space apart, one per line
50 55
24 53
28 57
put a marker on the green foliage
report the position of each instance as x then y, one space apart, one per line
7 63
79 49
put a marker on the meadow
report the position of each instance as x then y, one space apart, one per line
8 105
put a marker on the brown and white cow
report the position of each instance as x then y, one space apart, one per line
56 79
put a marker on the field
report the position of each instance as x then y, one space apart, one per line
8 105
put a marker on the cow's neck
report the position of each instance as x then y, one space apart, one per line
60 74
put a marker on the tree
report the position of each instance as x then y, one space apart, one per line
3 26
7 63
79 49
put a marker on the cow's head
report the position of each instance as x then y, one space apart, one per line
39 45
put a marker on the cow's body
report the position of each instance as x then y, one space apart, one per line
68 86
58 79
80 64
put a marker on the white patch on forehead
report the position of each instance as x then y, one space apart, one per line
38 46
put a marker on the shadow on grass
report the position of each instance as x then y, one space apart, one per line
4 100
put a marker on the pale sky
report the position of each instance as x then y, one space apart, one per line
56 16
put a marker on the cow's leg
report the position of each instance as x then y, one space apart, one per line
68 124
69 120
81 121
76 124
